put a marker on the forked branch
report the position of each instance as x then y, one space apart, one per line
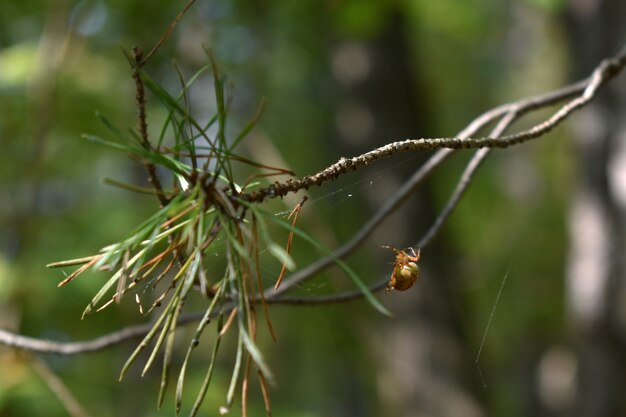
605 71
579 95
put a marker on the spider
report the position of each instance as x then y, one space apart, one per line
405 269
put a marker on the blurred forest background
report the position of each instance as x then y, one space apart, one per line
542 222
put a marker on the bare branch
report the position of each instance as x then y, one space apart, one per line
56 385
465 180
350 246
607 69
517 108
72 348
580 93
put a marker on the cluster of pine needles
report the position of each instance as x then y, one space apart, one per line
205 212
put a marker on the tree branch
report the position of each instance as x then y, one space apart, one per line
580 93
607 69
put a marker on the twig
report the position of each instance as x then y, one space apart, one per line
607 69
581 92
72 348
168 32
56 385
521 107
464 181
140 99
472 165
350 246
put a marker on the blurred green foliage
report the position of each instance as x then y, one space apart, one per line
60 61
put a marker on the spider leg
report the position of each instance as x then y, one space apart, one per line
396 250
389 285
416 256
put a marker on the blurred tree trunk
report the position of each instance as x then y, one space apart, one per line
422 355
596 285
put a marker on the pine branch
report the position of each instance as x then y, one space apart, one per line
579 95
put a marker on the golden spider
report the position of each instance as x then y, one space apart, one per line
405 269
